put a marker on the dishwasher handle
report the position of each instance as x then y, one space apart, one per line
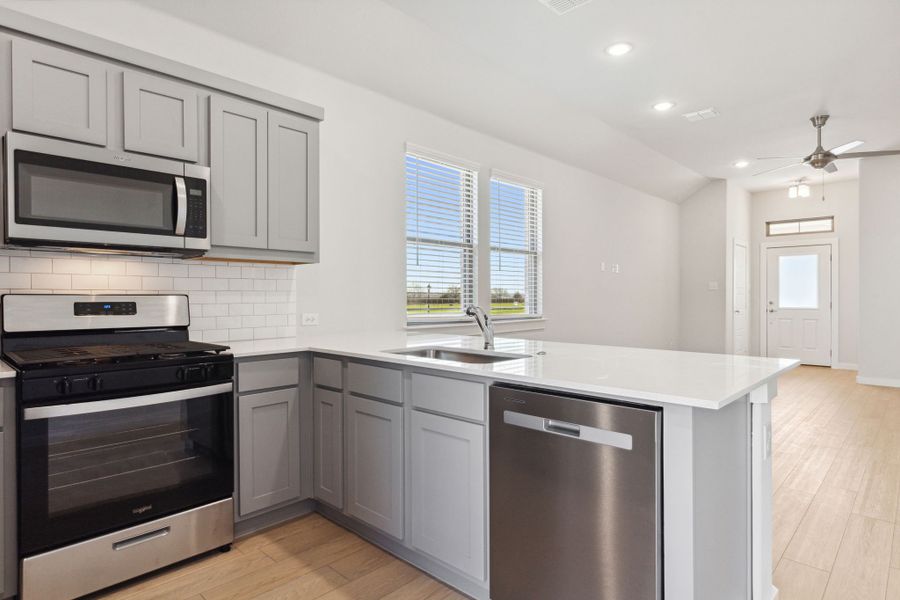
595 435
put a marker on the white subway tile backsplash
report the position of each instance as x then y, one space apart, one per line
141 268
229 301
91 282
51 281
15 281
71 265
107 267
28 264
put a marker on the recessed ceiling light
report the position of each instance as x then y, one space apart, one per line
663 106
740 164
619 49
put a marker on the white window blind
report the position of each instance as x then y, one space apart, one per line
516 247
440 236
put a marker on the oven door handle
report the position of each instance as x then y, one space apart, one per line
85 408
181 210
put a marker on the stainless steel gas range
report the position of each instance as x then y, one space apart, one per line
125 441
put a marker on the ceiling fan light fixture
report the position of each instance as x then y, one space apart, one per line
619 49
803 190
792 191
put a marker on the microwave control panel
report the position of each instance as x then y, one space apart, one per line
196 208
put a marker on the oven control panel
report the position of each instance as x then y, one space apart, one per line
93 309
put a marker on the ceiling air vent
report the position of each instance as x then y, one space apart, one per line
701 115
561 7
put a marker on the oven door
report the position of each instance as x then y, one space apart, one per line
92 467
65 194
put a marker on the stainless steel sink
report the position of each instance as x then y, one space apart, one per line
458 355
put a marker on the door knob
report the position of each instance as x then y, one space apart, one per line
771 310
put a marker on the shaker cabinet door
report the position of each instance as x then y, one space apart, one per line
293 182
329 441
448 491
269 449
58 93
237 138
160 116
375 464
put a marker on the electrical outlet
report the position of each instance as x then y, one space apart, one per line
308 319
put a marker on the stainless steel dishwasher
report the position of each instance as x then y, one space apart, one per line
575 500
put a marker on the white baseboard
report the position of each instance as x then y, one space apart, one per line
846 366
882 381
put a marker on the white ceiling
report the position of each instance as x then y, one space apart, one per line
514 69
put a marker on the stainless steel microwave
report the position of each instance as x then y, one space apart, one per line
60 194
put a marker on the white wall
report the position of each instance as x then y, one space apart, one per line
359 283
879 282
703 236
841 200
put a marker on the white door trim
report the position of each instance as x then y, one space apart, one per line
835 297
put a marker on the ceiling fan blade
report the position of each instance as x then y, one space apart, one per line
778 158
797 164
846 147
831 168
868 154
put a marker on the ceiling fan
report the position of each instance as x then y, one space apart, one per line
821 158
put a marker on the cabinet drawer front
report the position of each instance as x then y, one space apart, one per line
377 382
327 372
264 374
58 93
455 397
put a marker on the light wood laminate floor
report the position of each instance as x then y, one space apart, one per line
836 524
303 559
836 480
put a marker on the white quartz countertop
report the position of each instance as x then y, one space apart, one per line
658 376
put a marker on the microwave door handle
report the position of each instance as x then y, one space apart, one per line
181 208
86 408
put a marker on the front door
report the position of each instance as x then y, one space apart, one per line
798 304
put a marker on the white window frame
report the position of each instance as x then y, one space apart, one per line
466 296
534 297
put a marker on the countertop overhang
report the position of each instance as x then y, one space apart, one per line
694 379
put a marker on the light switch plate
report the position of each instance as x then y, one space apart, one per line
308 319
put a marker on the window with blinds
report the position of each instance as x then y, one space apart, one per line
516 248
440 236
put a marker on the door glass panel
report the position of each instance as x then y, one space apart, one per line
98 458
798 281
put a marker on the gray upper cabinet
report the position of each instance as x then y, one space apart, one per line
375 464
448 491
160 116
58 93
293 183
238 149
269 449
328 471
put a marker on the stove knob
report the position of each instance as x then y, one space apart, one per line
64 386
95 383
179 374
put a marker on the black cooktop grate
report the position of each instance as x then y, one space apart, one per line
108 353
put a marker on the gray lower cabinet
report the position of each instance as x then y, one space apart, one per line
58 93
239 186
329 456
160 116
269 449
448 491
374 437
